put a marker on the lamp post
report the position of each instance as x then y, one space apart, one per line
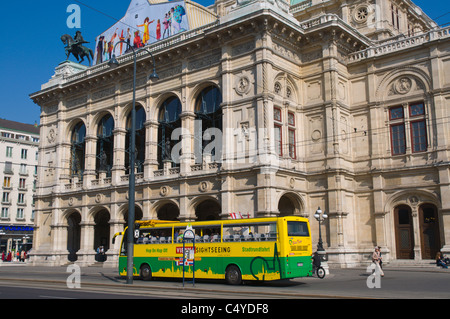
132 182
320 218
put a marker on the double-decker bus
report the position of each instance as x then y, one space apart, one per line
234 250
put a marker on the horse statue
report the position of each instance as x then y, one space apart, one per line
76 48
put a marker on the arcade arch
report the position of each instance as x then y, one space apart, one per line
73 235
289 204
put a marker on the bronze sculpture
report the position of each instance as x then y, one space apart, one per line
75 46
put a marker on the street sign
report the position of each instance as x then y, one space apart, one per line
189 232
188 252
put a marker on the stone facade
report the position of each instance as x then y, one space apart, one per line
317 108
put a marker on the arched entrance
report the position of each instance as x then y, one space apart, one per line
137 215
168 211
429 231
208 210
286 206
404 234
73 235
289 205
101 233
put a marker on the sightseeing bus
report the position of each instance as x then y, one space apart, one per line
234 250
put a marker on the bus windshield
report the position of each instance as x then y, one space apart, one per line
296 228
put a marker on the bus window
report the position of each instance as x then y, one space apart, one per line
250 232
297 228
203 233
155 236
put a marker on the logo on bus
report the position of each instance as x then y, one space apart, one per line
295 242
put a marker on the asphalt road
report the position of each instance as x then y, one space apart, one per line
28 282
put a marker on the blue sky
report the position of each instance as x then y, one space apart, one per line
36 28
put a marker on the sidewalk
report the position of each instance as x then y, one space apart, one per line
405 265
12 263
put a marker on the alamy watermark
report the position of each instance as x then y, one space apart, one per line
74 19
374 279
74 279
234 146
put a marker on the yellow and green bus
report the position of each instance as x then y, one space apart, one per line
234 250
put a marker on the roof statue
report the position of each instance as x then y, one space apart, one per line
75 46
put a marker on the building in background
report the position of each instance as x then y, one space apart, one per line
264 108
19 151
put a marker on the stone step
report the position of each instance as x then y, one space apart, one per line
424 263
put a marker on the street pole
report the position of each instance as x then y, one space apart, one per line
320 217
132 180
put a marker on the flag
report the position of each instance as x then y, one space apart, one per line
238 215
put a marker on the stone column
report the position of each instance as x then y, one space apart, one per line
118 167
187 140
151 148
86 254
90 160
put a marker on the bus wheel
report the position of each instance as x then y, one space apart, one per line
145 273
233 275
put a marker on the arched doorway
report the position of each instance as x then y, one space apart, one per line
101 232
137 215
208 210
429 231
168 211
73 235
286 206
404 233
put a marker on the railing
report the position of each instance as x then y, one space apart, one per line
399 45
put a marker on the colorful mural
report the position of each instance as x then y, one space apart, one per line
143 24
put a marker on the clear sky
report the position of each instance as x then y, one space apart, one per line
36 28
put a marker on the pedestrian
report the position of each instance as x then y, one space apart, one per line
102 253
440 260
22 256
8 258
3 255
376 258
316 260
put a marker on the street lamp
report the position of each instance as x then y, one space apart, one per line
132 182
320 218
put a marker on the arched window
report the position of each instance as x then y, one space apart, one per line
105 145
209 114
169 120
78 150
140 140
